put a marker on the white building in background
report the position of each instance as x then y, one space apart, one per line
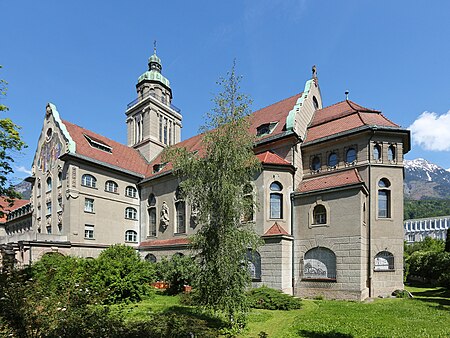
417 229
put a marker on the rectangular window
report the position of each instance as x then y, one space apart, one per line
160 128
89 205
60 203
49 208
165 130
89 231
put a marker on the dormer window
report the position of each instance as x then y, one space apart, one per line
96 143
158 167
266 128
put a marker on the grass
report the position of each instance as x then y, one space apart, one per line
425 315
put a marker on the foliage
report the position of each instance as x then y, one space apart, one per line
58 272
178 271
426 208
271 299
428 244
213 182
122 274
447 241
10 142
431 266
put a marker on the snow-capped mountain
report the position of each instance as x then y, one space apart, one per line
424 179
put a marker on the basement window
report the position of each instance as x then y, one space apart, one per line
266 128
96 143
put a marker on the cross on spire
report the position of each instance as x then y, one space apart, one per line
154 46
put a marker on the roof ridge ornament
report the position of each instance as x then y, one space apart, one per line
154 47
346 95
314 71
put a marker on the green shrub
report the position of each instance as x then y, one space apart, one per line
271 299
178 271
432 266
121 273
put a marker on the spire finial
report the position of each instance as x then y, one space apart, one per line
154 46
346 94
314 71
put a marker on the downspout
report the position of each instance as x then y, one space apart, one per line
293 244
370 218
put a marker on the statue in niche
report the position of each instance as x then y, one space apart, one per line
164 215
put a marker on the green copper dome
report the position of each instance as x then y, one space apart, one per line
154 71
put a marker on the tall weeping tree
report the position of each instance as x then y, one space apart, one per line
10 142
213 182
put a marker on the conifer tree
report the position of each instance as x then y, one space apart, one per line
213 182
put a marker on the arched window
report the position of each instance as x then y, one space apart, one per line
384 198
180 207
319 214
88 181
276 200
391 153
315 103
152 215
332 160
49 184
150 258
111 186
377 152
130 213
254 264
130 236
350 155
315 163
319 264
384 260
131 191
248 203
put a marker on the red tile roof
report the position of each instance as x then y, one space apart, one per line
7 208
271 158
335 180
276 112
275 230
165 242
341 117
121 156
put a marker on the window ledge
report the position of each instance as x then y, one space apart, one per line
384 270
87 186
319 225
89 239
180 234
329 280
112 192
89 212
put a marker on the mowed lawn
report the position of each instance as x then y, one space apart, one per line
426 315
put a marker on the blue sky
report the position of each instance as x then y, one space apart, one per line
85 57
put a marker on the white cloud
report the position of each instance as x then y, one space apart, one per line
432 131
22 169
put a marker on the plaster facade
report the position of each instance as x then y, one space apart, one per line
329 195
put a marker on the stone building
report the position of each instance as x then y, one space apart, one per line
330 192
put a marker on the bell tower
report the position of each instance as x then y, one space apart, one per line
153 122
